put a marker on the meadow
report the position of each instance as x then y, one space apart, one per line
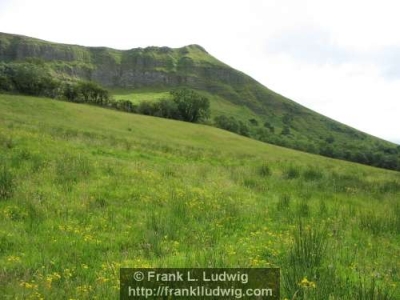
85 191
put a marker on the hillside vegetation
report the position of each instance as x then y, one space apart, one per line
85 191
238 102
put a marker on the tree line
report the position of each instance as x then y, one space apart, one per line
34 78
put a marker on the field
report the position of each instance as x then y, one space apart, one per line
85 191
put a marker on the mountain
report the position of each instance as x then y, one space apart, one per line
268 116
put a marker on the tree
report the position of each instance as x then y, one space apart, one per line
287 119
146 108
33 79
243 129
330 139
126 105
71 92
192 106
253 122
227 123
285 130
166 108
5 81
269 126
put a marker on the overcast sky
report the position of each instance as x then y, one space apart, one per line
340 58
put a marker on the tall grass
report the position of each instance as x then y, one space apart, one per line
6 181
81 199
305 258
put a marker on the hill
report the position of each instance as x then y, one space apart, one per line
152 72
86 190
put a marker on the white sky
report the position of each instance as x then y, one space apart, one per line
340 58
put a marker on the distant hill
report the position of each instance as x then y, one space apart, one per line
269 116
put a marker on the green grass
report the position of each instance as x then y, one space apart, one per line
85 191
139 96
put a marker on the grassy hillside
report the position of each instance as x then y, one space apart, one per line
85 191
150 73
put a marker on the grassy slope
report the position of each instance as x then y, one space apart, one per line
230 91
93 190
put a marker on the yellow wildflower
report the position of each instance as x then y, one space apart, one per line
307 284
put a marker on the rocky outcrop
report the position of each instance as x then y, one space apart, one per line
152 66
191 66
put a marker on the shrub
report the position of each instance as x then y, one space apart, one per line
146 108
33 79
166 108
5 81
243 129
285 130
192 106
124 105
269 126
227 123
253 122
86 92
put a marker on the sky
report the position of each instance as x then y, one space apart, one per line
340 58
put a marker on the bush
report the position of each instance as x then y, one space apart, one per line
28 78
86 92
243 129
5 81
285 130
253 122
191 106
146 108
227 123
167 109
231 124
124 105
269 126
184 104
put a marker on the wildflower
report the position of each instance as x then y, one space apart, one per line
307 284
102 279
52 277
67 273
13 258
84 288
28 285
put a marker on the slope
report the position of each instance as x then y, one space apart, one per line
85 191
278 120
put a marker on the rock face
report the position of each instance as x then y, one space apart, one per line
190 66
152 66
